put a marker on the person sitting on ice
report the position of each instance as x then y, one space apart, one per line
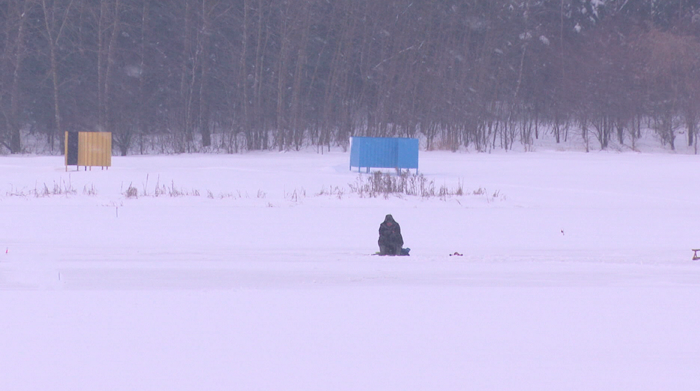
390 239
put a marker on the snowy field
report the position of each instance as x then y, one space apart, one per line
253 272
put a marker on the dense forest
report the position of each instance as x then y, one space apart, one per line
239 75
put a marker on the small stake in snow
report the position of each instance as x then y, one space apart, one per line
695 254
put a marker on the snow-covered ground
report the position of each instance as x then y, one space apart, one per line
253 272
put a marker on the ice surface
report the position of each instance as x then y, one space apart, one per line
254 271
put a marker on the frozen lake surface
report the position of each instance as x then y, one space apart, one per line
254 271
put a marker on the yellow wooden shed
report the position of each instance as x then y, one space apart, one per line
88 149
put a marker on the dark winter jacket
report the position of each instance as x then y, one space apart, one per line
390 233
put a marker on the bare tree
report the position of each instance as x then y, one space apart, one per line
15 51
55 19
671 61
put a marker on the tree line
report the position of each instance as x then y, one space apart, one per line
237 75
